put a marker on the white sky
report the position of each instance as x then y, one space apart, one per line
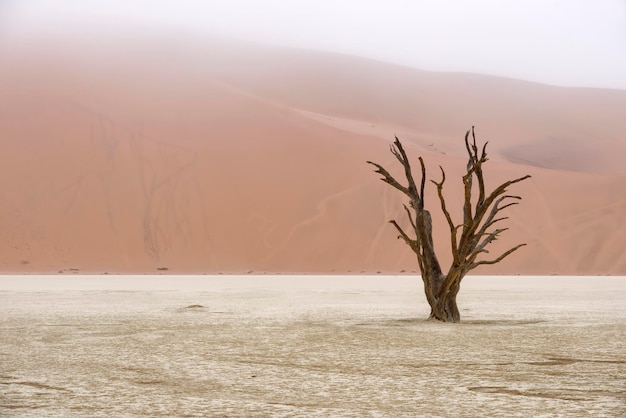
562 42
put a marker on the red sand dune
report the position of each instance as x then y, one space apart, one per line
226 157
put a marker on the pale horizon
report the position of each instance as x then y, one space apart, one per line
570 44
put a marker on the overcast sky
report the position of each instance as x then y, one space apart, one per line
561 42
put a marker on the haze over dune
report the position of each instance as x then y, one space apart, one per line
129 155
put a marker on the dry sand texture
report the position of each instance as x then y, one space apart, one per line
223 157
314 346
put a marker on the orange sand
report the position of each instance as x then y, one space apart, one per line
225 157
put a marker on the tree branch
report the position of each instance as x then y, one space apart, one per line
446 213
497 260
494 210
398 151
408 213
423 182
492 236
388 178
502 188
414 244
469 230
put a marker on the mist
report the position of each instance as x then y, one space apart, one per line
565 43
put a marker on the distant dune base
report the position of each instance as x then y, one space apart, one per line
144 156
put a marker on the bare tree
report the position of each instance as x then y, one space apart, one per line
468 240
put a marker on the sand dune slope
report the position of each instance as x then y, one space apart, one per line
224 157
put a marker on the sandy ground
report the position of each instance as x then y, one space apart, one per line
309 346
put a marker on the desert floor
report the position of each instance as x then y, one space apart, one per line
309 346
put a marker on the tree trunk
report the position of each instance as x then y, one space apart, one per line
446 309
442 308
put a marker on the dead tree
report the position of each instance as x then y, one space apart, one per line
468 239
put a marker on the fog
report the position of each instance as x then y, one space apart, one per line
567 43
